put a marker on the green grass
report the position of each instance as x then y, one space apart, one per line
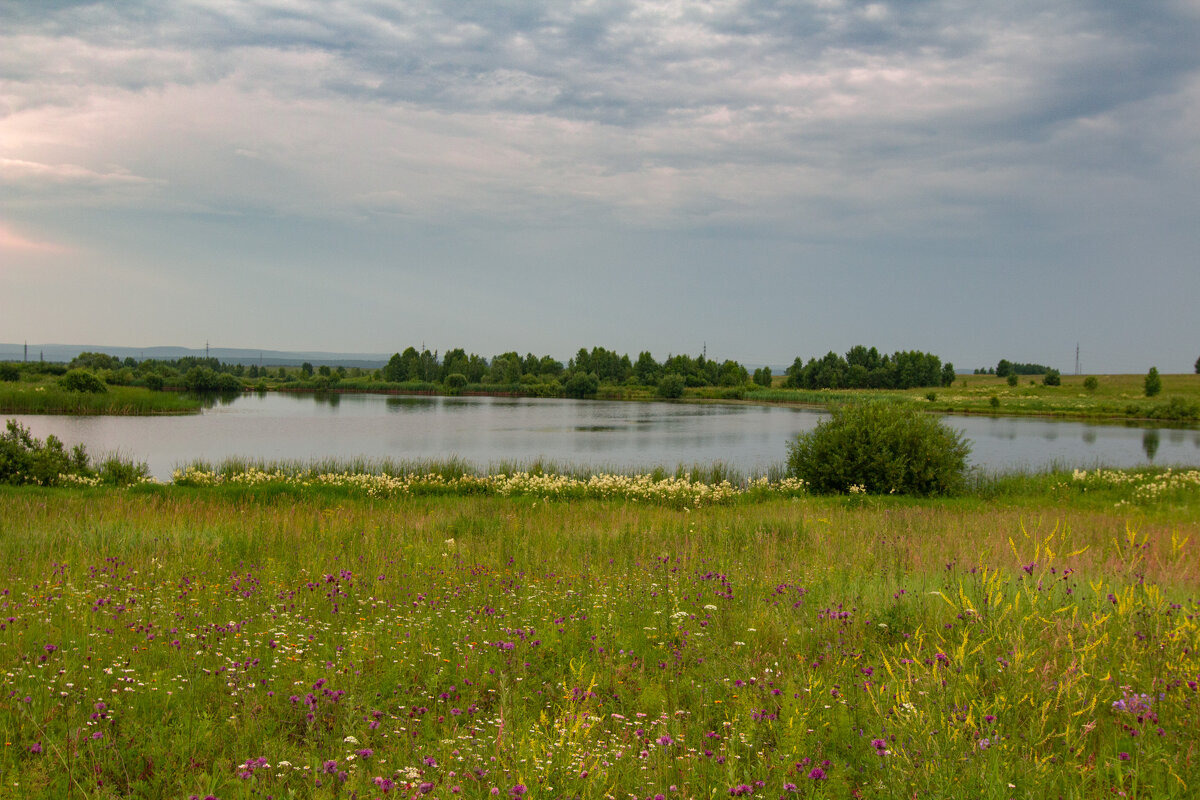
45 397
157 641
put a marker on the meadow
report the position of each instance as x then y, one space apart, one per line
291 637
1115 397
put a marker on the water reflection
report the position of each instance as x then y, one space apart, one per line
1089 436
1150 443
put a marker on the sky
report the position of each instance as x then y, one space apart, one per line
761 180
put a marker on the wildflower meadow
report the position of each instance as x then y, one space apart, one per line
296 638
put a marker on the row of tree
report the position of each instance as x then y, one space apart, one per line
581 376
1005 368
863 368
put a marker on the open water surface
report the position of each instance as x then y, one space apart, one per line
598 434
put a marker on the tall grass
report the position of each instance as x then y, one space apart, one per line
164 642
47 398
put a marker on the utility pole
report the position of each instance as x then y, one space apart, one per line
206 349
1077 358
26 351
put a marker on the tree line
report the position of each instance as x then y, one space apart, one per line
583 375
866 368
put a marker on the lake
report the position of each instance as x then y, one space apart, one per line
597 434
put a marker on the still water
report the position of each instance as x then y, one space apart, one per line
598 434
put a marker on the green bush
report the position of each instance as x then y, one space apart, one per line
671 386
230 383
80 380
9 372
1052 378
153 382
455 382
582 385
880 448
1012 379
24 459
1090 383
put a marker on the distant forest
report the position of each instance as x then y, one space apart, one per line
582 376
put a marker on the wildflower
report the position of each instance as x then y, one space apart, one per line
817 774
36 748
1123 756
665 741
518 790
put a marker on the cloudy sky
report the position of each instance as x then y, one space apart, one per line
981 180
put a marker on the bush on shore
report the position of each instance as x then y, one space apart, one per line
880 448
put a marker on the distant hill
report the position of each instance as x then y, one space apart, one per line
229 355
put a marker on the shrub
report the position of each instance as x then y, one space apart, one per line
1052 378
582 384
80 380
200 379
994 402
670 386
24 459
153 382
1090 383
1153 383
880 448
228 383
9 372
455 382
1012 379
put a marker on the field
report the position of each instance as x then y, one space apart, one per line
274 639
1116 397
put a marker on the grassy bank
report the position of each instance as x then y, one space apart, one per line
46 397
289 641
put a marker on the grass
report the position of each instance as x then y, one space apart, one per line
1038 639
45 397
1117 397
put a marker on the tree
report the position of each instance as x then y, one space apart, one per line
1153 383
393 371
1003 368
948 374
582 384
1198 366
1052 378
306 369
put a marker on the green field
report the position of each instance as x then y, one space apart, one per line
268 638
1115 398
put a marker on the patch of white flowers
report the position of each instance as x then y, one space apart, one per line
669 490
1146 487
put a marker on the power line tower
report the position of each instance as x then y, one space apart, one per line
1077 358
